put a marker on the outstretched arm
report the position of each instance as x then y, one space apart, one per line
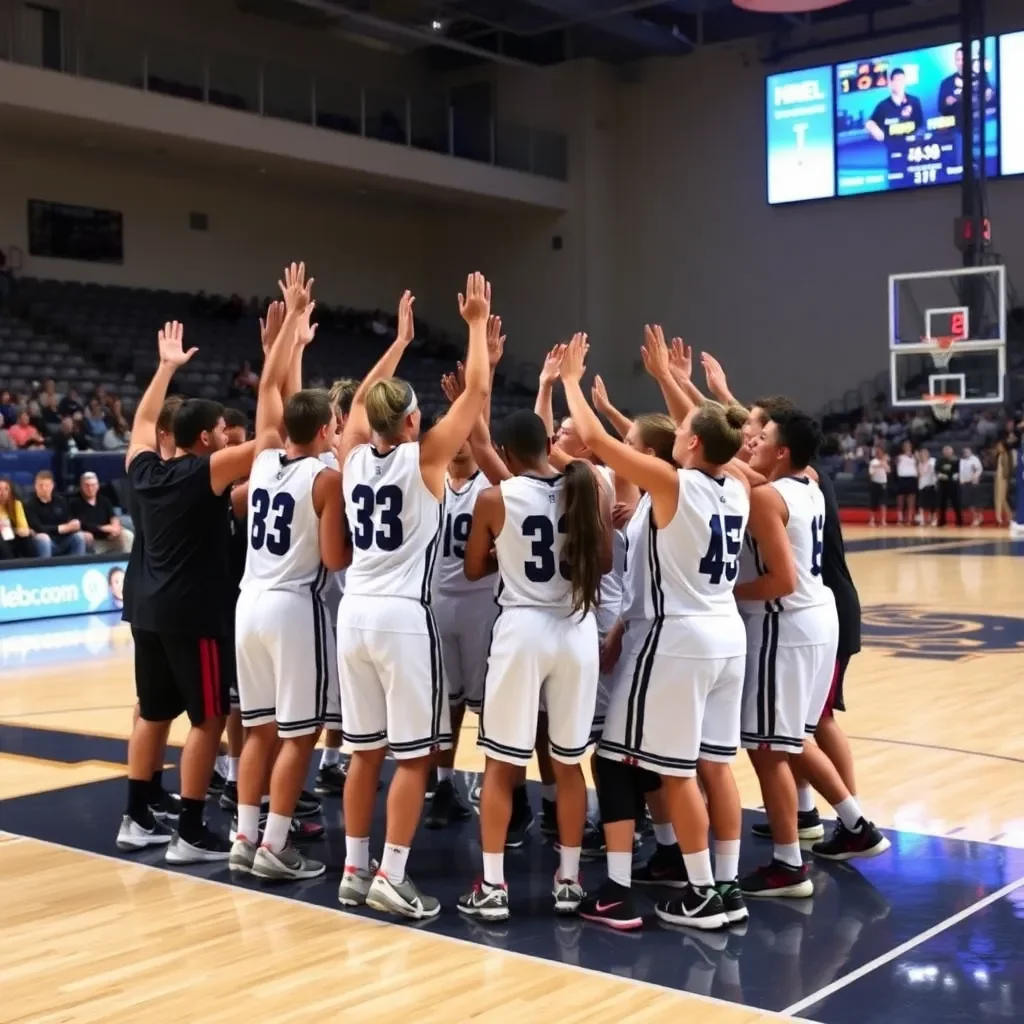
489 461
172 358
545 387
621 423
656 361
717 384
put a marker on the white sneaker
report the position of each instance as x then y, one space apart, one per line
402 898
287 865
355 884
133 836
568 894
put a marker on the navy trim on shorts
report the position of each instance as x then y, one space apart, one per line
718 751
258 713
569 751
436 676
621 750
480 732
364 737
789 741
319 646
501 748
766 681
431 555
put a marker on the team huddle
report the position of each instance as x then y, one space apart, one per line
652 602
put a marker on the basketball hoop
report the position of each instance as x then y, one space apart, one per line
943 351
942 406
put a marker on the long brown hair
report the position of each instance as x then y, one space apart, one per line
584 535
9 506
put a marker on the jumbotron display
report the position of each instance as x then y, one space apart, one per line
890 122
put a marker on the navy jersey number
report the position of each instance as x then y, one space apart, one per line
817 538
388 499
541 568
273 532
722 555
456 533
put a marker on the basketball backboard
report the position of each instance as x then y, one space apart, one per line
947 335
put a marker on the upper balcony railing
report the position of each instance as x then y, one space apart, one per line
424 120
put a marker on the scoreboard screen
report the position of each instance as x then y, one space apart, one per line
892 121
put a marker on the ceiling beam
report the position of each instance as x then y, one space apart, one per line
614 19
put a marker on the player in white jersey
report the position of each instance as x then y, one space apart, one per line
330 778
389 655
792 635
286 688
551 539
676 694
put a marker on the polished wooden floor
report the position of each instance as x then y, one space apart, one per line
86 938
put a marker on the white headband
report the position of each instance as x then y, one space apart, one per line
413 404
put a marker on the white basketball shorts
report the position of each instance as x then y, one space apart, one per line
286 670
676 693
788 677
465 623
392 679
604 685
539 653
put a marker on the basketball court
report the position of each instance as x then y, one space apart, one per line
932 931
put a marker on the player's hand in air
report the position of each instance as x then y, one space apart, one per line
654 352
271 327
169 345
599 396
495 341
406 322
297 291
573 364
452 386
715 376
549 371
304 330
680 357
475 303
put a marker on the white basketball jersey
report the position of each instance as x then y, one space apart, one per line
530 545
449 576
693 561
635 585
284 529
607 610
806 524
395 523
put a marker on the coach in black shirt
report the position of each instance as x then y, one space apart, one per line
947 476
179 606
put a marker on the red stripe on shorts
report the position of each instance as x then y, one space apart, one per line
215 658
206 672
831 702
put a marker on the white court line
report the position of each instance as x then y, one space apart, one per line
917 940
340 911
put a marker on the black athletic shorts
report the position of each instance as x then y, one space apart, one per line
175 672
926 499
906 485
876 495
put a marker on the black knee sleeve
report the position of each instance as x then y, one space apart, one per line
616 790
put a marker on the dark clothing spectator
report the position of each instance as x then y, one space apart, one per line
53 529
947 472
70 403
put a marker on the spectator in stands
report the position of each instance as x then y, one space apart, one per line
8 412
906 484
15 536
49 387
101 528
54 532
117 436
95 424
48 413
70 403
1004 469
23 433
926 497
68 441
246 381
947 473
878 477
970 485
6 444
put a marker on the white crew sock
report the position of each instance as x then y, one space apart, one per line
494 868
665 834
232 775
849 812
620 868
249 822
804 798
357 853
727 860
275 835
393 862
331 755
698 868
788 853
569 863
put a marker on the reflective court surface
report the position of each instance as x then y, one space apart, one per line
932 931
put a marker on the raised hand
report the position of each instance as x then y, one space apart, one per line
305 331
169 345
599 396
655 352
495 341
475 303
573 364
451 386
714 374
549 371
271 327
680 357
406 322
297 291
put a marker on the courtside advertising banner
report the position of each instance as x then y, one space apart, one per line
48 591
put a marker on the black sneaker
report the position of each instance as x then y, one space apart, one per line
696 906
229 796
808 827
732 899
305 831
166 807
548 819
519 825
203 848
485 902
217 783
431 784
330 780
846 844
664 867
446 807
777 880
307 805
612 905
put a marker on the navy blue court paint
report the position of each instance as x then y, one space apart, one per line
909 632
1000 546
788 951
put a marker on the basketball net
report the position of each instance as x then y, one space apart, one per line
943 351
942 406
